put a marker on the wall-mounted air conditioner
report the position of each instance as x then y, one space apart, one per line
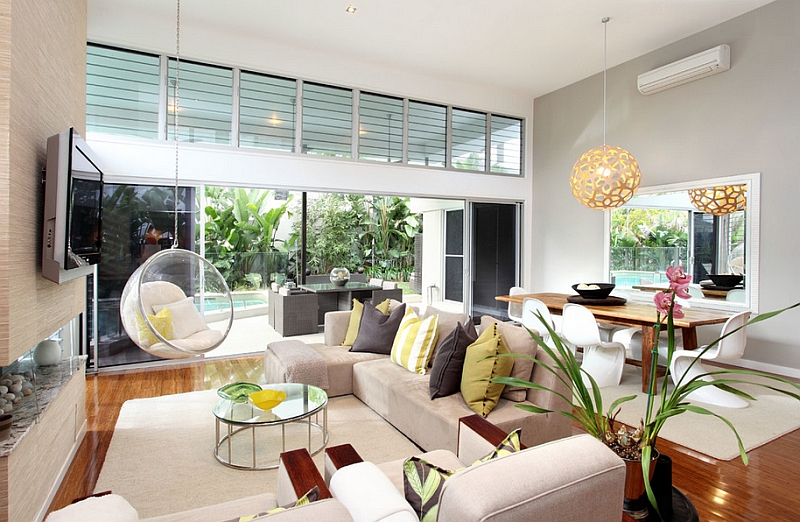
694 67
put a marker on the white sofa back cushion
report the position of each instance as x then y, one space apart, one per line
108 508
369 495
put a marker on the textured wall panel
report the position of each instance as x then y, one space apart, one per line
42 92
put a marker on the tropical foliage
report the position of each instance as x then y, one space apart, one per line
241 235
648 239
354 231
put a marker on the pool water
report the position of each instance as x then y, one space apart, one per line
240 302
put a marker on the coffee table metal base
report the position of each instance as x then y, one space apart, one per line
223 451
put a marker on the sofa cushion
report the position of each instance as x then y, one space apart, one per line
482 364
403 399
355 320
423 481
518 340
414 342
447 323
448 363
377 331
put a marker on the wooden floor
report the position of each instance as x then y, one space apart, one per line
767 489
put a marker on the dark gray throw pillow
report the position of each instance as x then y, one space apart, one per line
448 362
376 331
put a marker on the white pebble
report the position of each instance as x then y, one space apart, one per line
7 407
6 382
14 388
27 391
26 384
3 390
9 396
17 378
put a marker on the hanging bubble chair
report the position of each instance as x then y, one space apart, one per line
176 305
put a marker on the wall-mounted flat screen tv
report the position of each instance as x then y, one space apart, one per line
73 208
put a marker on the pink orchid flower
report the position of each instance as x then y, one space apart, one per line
663 302
675 274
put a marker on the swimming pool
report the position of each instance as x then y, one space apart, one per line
241 301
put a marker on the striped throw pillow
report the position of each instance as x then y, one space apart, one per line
414 342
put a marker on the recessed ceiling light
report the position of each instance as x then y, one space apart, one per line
351 9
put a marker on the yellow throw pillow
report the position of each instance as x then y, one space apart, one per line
162 322
355 320
414 342
480 365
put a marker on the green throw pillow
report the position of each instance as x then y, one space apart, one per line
481 364
423 481
422 485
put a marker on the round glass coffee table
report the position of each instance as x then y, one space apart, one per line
303 402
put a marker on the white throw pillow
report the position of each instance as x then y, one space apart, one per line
108 508
186 320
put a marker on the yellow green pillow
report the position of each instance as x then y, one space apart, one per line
162 322
481 364
414 341
355 320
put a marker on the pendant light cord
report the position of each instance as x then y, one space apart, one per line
175 101
605 68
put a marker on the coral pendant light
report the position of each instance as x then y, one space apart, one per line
607 176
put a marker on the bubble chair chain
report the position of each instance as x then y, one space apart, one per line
169 301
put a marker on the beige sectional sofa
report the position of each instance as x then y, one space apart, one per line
402 397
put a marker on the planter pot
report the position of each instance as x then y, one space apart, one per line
636 504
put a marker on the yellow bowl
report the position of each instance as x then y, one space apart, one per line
266 399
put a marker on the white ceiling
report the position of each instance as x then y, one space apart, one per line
529 46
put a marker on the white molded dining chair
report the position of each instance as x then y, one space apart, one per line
530 307
631 339
728 349
515 309
602 360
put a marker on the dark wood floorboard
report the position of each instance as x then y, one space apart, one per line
720 490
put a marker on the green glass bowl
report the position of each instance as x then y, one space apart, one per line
238 391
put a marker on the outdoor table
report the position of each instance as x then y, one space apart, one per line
333 297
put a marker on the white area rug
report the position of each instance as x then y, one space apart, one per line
766 419
161 456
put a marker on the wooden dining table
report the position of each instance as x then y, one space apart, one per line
634 313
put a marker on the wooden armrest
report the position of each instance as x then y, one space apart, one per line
343 455
100 494
303 473
491 433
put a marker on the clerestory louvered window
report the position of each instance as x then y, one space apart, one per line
205 101
121 92
267 111
380 128
427 134
327 120
506 144
469 140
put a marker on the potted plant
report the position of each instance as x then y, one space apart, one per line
639 443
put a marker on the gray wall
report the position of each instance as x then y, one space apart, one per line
741 121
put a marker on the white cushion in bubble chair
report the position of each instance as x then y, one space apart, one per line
175 317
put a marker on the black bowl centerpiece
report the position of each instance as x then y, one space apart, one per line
726 280
594 290
340 276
